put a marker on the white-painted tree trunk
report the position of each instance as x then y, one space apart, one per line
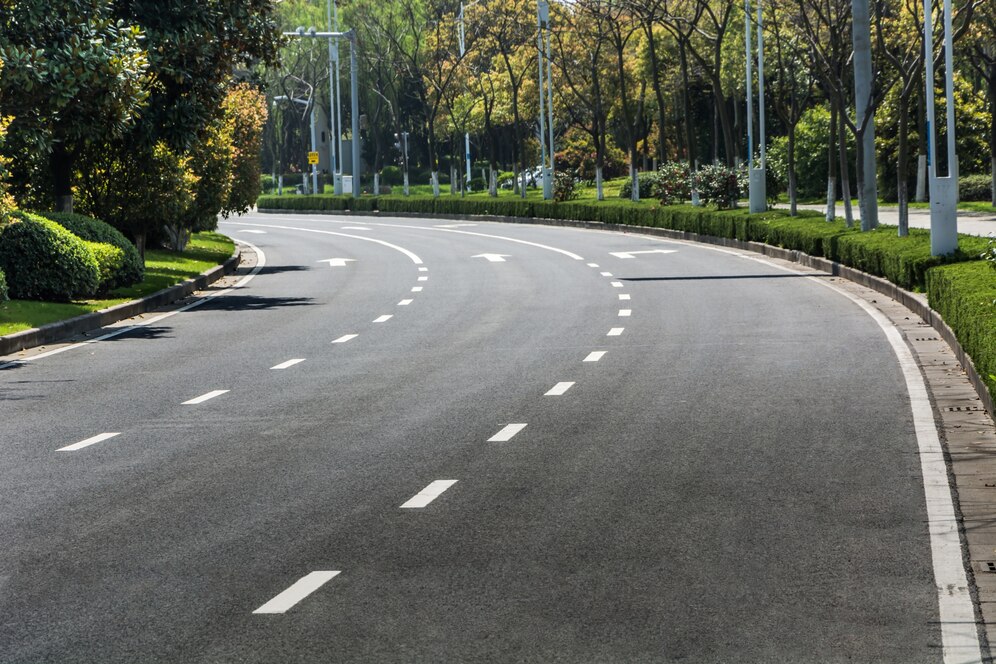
435 183
831 198
599 191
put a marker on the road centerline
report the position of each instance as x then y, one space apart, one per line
595 356
204 397
507 433
288 363
559 389
344 338
383 319
99 438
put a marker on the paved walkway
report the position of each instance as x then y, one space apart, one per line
970 223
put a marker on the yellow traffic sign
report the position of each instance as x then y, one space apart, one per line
313 158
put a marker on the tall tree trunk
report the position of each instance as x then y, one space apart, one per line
992 129
61 165
921 149
832 166
845 174
902 167
687 108
793 198
864 114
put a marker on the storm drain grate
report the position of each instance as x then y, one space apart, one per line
964 409
926 339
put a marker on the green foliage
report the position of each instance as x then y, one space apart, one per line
93 230
674 185
649 185
965 296
975 187
564 187
110 260
392 175
44 261
245 115
812 138
990 253
717 185
3 287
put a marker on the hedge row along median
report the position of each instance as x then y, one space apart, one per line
960 287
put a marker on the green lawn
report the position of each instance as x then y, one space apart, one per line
162 270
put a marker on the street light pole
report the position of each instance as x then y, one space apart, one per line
335 144
542 16
354 83
943 190
756 177
466 134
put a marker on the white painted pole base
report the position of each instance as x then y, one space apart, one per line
547 184
376 184
337 184
435 184
943 215
696 201
831 199
756 183
280 185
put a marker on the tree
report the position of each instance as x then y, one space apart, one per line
984 60
76 75
245 114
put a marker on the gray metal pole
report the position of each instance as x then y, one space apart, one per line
760 85
314 148
542 119
861 42
943 190
750 92
549 91
333 111
355 105
338 96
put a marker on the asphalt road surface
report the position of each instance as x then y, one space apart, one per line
471 443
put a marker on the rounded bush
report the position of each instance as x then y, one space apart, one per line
130 270
110 259
975 187
44 261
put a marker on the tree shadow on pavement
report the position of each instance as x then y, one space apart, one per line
710 277
253 303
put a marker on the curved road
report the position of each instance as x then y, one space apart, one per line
471 442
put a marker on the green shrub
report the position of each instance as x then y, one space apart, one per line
3 286
564 187
110 260
975 188
674 183
717 185
392 175
989 254
965 296
44 261
649 185
131 270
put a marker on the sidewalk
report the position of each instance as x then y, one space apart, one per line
969 223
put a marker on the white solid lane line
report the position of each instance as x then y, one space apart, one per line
204 397
383 319
623 296
606 274
558 389
289 363
416 289
507 433
595 356
615 332
625 312
428 494
423 278
414 258
301 589
405 303
344 338
88 442
617 284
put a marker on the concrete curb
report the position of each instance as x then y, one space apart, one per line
53 332
915 303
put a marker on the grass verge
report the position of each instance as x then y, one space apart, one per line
162 270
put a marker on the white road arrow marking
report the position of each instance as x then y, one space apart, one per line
493 258
337 262
632 254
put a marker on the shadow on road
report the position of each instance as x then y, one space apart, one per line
253 303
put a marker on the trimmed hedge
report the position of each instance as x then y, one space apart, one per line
44 261
965 296
131 269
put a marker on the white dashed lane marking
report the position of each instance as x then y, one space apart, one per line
405 303
88 442
301 589
344 338
423 278
617 284
204 397
559 389
606 274
289 363
428 494
416 289
383 319
615 332
507 433
595 356
423 269
623 296
592 264
625 312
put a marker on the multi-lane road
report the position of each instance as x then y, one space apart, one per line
434 441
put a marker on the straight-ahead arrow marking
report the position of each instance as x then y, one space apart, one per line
633 254
337 262
493 258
